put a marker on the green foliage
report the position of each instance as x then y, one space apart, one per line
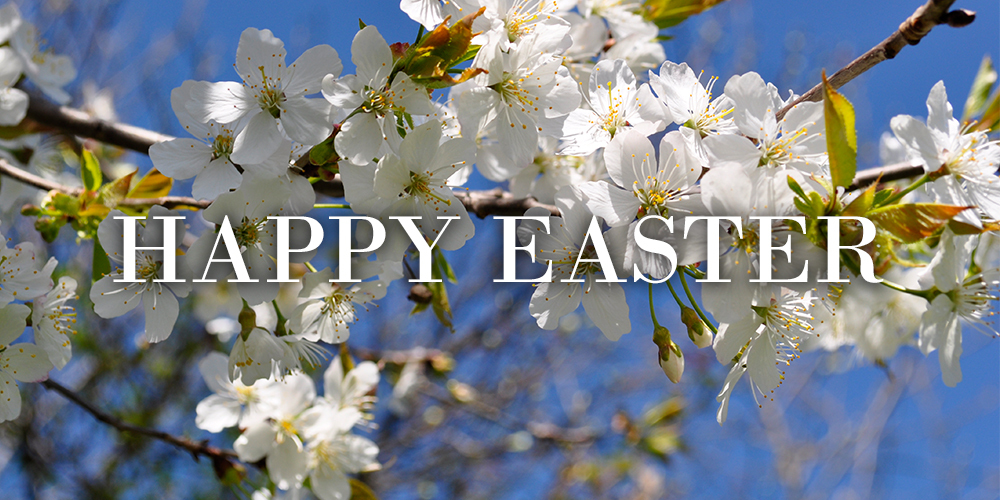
913 222
667 13
90 171
978 103
432 59
841 137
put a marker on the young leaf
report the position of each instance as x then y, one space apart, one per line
863 203
980 92
101 265
446 269
152 185
90 171
841 138
667 13
913 222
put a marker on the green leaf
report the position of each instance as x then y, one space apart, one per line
667 13
361 491
882 196
90 171
980 92
841 138
113 192
152 185
443 265
101 265
795 187
862 204
913 222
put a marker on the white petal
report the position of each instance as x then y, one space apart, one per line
360 138
257 141
180 158
305 75
10 398
330 484
26 362
220 177
605 305
224 102
306 121
552 301
287 464
255 442
616 206
216 413
161 312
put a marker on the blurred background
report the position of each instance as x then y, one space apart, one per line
499 408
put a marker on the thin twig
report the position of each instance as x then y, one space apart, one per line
42 183
197 449
913 29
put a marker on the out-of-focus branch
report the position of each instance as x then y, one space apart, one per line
76 122
913 29
195 448
41 183
894 172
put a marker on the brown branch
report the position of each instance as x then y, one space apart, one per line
894 172
913 29
42 183
73 121
197 449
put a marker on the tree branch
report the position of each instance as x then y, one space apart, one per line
42 183
76 122
910 32
195 448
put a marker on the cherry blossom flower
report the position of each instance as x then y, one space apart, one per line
377 105
965 160
330 307
232 402
616 106
54 321
207 157
604 302
18 362
961 297
271 93
527 92
763 339
112 299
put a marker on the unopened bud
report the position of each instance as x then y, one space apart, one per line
672 362
697 331
248 321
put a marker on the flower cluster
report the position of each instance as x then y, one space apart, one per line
28 294
22 55
296 433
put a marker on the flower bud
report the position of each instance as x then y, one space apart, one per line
697 331
672 362
248 321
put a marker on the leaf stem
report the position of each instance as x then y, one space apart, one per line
907 190
697 308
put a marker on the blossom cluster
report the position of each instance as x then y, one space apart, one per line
575 106
29 297
296 433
